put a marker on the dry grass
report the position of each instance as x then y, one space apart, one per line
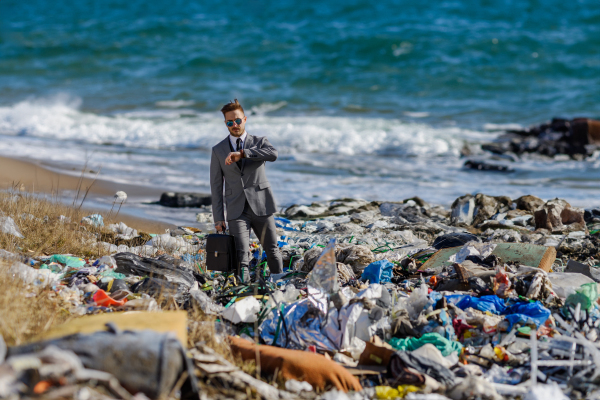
26 311
49 227
201 328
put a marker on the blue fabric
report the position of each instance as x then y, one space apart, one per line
523 313
378 272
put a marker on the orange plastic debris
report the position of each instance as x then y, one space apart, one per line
103 299
41 387
433 281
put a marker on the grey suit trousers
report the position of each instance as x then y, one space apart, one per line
264 229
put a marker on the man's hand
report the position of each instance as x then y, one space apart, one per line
220 226
233 157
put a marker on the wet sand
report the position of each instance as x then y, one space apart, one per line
34 177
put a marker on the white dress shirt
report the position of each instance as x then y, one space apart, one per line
233 140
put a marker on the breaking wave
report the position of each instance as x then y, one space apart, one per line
61 118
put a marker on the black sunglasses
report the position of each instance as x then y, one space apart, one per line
238 121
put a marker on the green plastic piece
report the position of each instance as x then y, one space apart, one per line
441 343
231 302
525 330
586 295
112 274
69 261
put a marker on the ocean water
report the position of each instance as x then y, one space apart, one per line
362 99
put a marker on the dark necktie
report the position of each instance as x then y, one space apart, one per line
238 149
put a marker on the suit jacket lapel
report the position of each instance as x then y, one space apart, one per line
225 149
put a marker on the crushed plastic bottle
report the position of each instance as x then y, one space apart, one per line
324 274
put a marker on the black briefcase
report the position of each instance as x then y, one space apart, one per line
221 254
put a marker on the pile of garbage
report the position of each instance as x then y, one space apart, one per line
492 298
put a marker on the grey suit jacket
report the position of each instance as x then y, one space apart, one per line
250 183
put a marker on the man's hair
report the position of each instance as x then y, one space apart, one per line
231 106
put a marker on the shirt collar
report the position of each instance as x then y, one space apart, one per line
233 139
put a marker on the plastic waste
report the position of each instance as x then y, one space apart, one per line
378 272
415 303
128 263
401 361
566 283
497 374
294 364
480 250
386 392
170 243
103 299
154 354
158 288
205 303
324 274
454 239
140 305
527 313
204 218
474 387
69 261
294 386
502 282
94 220
491 303
37 277
109 273
123 231
8 226
284 224
586 295
334 395
298 325
106 261
445 346
245 310
545 392
431 352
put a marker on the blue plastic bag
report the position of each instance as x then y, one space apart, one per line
527 313
94 219
284 224
523 313
492 303
378 272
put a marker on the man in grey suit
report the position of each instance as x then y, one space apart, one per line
239 163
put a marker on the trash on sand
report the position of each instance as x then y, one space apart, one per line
8 226
94 220
382 299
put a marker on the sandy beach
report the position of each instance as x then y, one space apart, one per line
34 177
